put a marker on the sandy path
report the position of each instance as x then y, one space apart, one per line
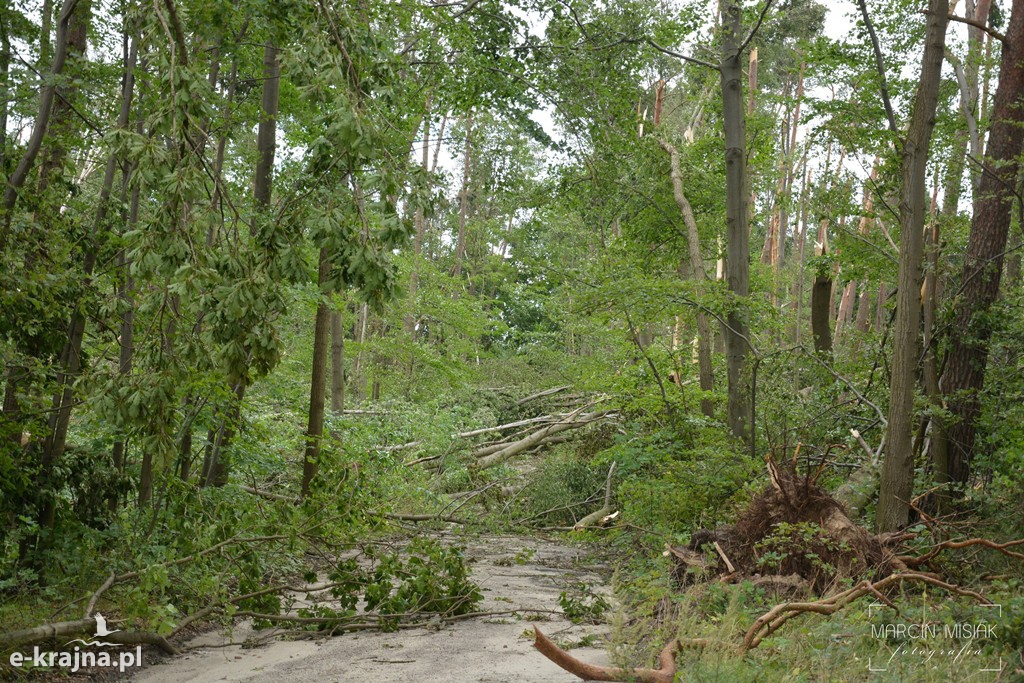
487 649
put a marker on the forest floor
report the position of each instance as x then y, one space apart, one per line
521 575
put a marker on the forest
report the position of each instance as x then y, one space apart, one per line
527 341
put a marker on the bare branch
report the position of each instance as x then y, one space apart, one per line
976 24
880 65
753 31
680 55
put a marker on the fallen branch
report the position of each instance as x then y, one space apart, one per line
96 596
665 673
484 451
911 561
422 518
510 425
772 620
268 495
36 634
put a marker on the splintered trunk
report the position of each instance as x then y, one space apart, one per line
863 323
736 331
897 480
964 375
317 385
821 329
846 305
821 296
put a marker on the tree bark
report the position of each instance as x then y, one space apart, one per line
897 480
964 376
736 331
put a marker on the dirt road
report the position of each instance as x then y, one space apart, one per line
522 574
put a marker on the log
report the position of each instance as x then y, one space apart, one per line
495 447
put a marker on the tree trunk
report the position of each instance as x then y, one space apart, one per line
60 415
5 84
897 481
42 122
219 465
337 363
964 376
420 223
317 385
460 246
821 329
736 331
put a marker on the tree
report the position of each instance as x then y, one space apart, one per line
897 479
964 375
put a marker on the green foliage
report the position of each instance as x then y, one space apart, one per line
671 486
582 605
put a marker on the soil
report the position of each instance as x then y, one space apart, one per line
515 573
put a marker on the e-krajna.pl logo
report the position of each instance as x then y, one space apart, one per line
78 657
